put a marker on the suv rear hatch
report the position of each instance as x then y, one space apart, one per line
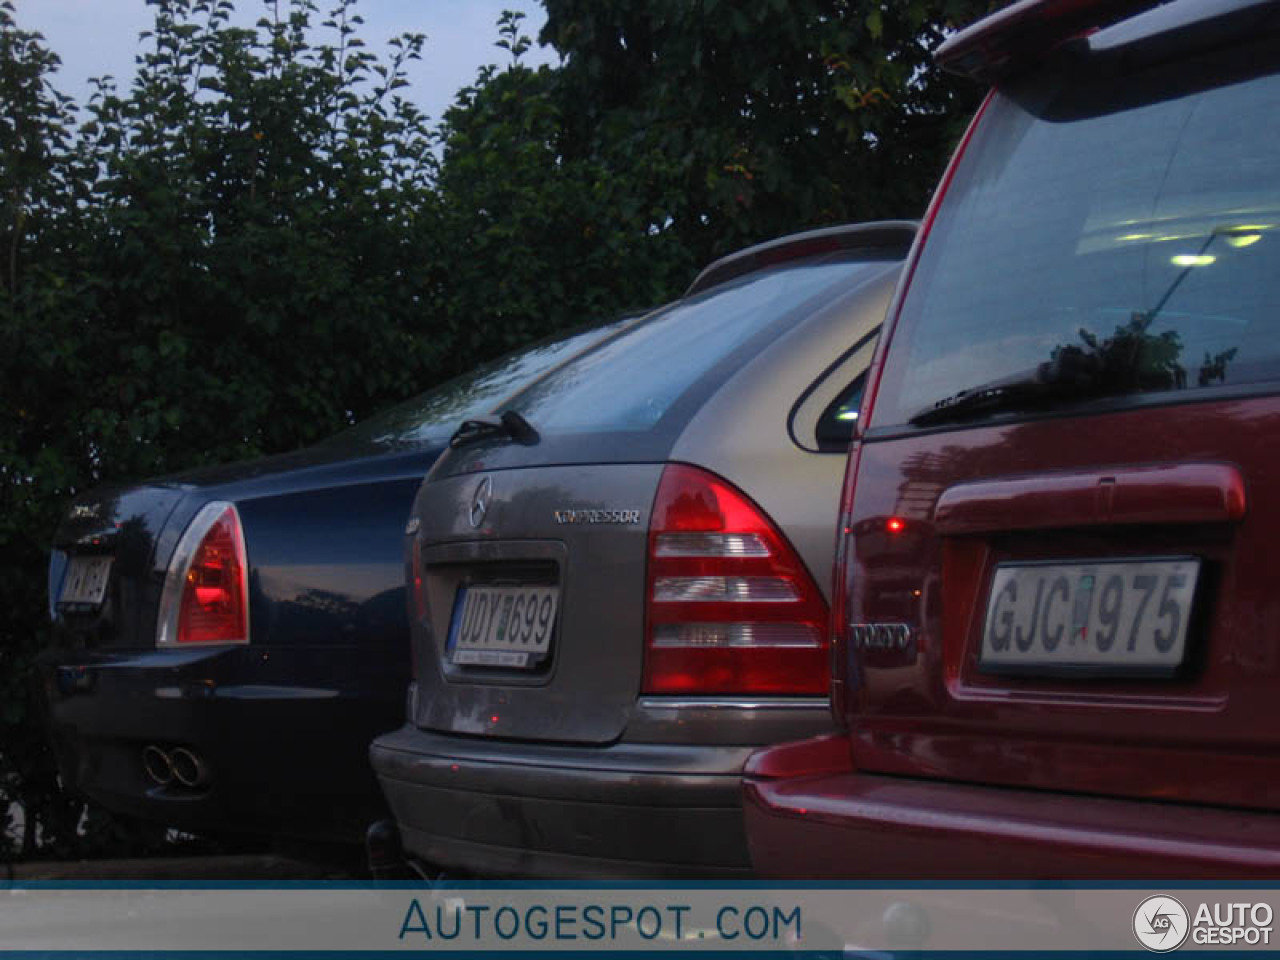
562 525
1056 554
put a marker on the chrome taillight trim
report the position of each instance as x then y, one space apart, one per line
725 589
711 545
704 635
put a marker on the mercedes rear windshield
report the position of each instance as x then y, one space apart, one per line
651 376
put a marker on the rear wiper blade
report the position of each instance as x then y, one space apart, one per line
1044 384
508 424
1131 360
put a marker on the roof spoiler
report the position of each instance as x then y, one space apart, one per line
884 234
997 44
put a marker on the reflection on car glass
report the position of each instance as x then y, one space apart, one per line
1136 251
438 412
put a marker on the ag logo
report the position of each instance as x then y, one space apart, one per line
1161 923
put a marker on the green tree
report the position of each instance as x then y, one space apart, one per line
42 308
540 238
742 122
268 211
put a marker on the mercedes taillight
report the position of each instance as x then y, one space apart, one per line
731 608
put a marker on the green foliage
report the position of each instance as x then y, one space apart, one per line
262 239
740 122
39 308
540 239
264 196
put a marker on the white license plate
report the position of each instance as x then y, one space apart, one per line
503 626
1104 617
85 581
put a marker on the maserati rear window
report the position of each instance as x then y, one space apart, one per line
437 413
1102 237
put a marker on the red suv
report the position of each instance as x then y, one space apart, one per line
1056 625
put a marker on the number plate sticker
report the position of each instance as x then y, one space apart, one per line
86 581
502 626
1103 617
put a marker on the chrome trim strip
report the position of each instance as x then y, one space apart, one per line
729 703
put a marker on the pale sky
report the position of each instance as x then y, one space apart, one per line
97 37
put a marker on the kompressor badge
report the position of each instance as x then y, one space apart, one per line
597 516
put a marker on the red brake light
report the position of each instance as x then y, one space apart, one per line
731 608
206 592
214 605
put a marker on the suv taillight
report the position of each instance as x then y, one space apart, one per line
731 608
206 591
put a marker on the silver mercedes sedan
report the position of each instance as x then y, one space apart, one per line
619 587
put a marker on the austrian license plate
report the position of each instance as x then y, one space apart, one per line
502 626
1126 617
85 582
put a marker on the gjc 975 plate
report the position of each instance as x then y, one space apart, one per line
1112 617
502 626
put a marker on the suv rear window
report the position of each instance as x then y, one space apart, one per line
1100 228
629 383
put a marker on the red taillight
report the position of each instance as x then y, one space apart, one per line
731 607
206 592
214 605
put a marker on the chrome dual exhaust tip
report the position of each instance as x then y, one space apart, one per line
180 764
188 768
157 764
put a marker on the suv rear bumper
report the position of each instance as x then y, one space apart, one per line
854 825
505 808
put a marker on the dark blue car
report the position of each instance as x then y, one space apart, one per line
228 641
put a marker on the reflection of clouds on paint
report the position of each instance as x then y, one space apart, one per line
95 38
353 582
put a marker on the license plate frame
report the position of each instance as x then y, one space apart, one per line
1134 646
84 586
488 627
